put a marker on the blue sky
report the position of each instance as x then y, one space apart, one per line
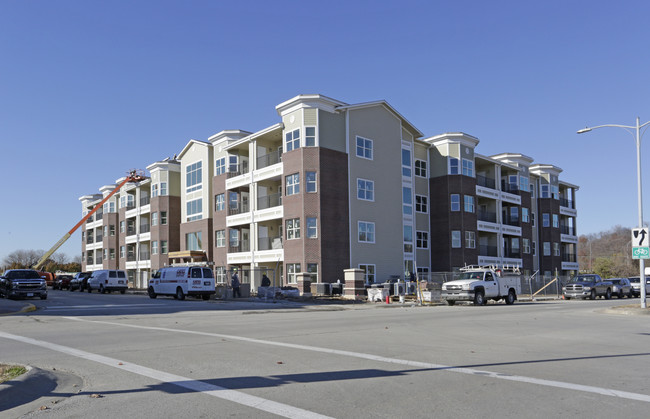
91 89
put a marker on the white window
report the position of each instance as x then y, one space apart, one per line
220 166
455 239
193 241
366 232
546 220
234 238
195 210
544 191
163 217
421 203
154 247
310 181
111 230
194 177
220 274
154 219
219 202
364 148
547 248
469 203
523 183
556 221
420 168
154 190
455 202
310 136
408 239
406 162
312 229
407 201
163 247
122 226
453 166
526 245
556 249
292 270
105 254
524 215
468 167
556 192
233 163
122 251
312 270
365 190
293 228
422 239
470 239
292 140
292 184
368 272
163 188
111 254
220 238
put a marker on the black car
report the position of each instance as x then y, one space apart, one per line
16 283
80 281
62 282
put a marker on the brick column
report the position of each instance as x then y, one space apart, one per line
304 283
354 283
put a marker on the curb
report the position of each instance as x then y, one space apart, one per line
26 309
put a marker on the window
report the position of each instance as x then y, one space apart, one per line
532 218
407 201
163 217
193 241
556 249
220 166
193 177
422 239
195 210
556 221
455 238
523 183
368 273
233 239
312 270
292 140
420 168
406 162
122 251
534 248
310 181
544 191
292 184
421 203
293 228
163 188
220 274
526 245
310 137
470 239
122 226
408 239
453 166
514 246
364 148
233 163
220 238
111 230
163 247
524 215
469 203
154 190
219 202
105 254
312 229
366 232
547 248
154 219
105 232
555 191
292 270
455 202
233 200
514 214
365 190
546 220
111 254
154 247
468 168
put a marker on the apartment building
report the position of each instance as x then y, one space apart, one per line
333 186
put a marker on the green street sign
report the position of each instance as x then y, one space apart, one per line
642 252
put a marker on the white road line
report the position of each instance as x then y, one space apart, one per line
99 306
470 371
188 383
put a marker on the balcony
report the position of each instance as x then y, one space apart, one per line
269 201
237 169
511 221
488 251
98 238
145 201
269 159
130 231
99 216
145 255
510 188
242 246
566 203
90 220
490 217
130 257
145 228
569 257
98 260
130 205
486 182
567 230
238 209
269 243
90 240
512 254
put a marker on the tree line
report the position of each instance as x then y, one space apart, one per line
25 259
608 253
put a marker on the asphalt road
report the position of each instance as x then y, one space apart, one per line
130 356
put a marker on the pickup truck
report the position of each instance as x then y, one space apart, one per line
479 285
587 286
15 283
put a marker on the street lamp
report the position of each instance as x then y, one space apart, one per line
637 135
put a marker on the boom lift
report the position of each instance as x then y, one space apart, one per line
134 176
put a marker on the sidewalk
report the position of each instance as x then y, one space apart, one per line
8 306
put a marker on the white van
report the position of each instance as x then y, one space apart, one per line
107 280
180 281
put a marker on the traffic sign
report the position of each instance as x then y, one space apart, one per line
640 243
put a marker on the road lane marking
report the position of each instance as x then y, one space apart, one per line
224 393
426 365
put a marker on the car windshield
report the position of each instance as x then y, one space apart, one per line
472 275
583 279
615 281
23 275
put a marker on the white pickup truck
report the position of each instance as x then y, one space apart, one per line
480 284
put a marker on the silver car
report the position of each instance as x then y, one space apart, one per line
621 287
636 285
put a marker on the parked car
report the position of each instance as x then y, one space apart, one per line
587 286
635 281
15 283
49 277
79 281
62 282
621 287
107 280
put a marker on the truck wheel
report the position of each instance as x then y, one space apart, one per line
511 297
179 294
152 294
451 302
567 298
44 297
122 291
608 294
102 290
593 294
205 297
89 289
620 294
479 298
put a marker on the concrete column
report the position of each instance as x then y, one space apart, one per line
354 283
304 283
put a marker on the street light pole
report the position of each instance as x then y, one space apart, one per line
637 134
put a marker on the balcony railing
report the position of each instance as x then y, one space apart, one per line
485 182
130 231
269 159
237 169
145 228
568 257
130 257
98 238
241 246
511 221
98 260
130 205
144 201
512 254
567 230
509 187
566 203
487 250
488 216
90 240
145 255
99 215
269 201
238 209
268 243
90 219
